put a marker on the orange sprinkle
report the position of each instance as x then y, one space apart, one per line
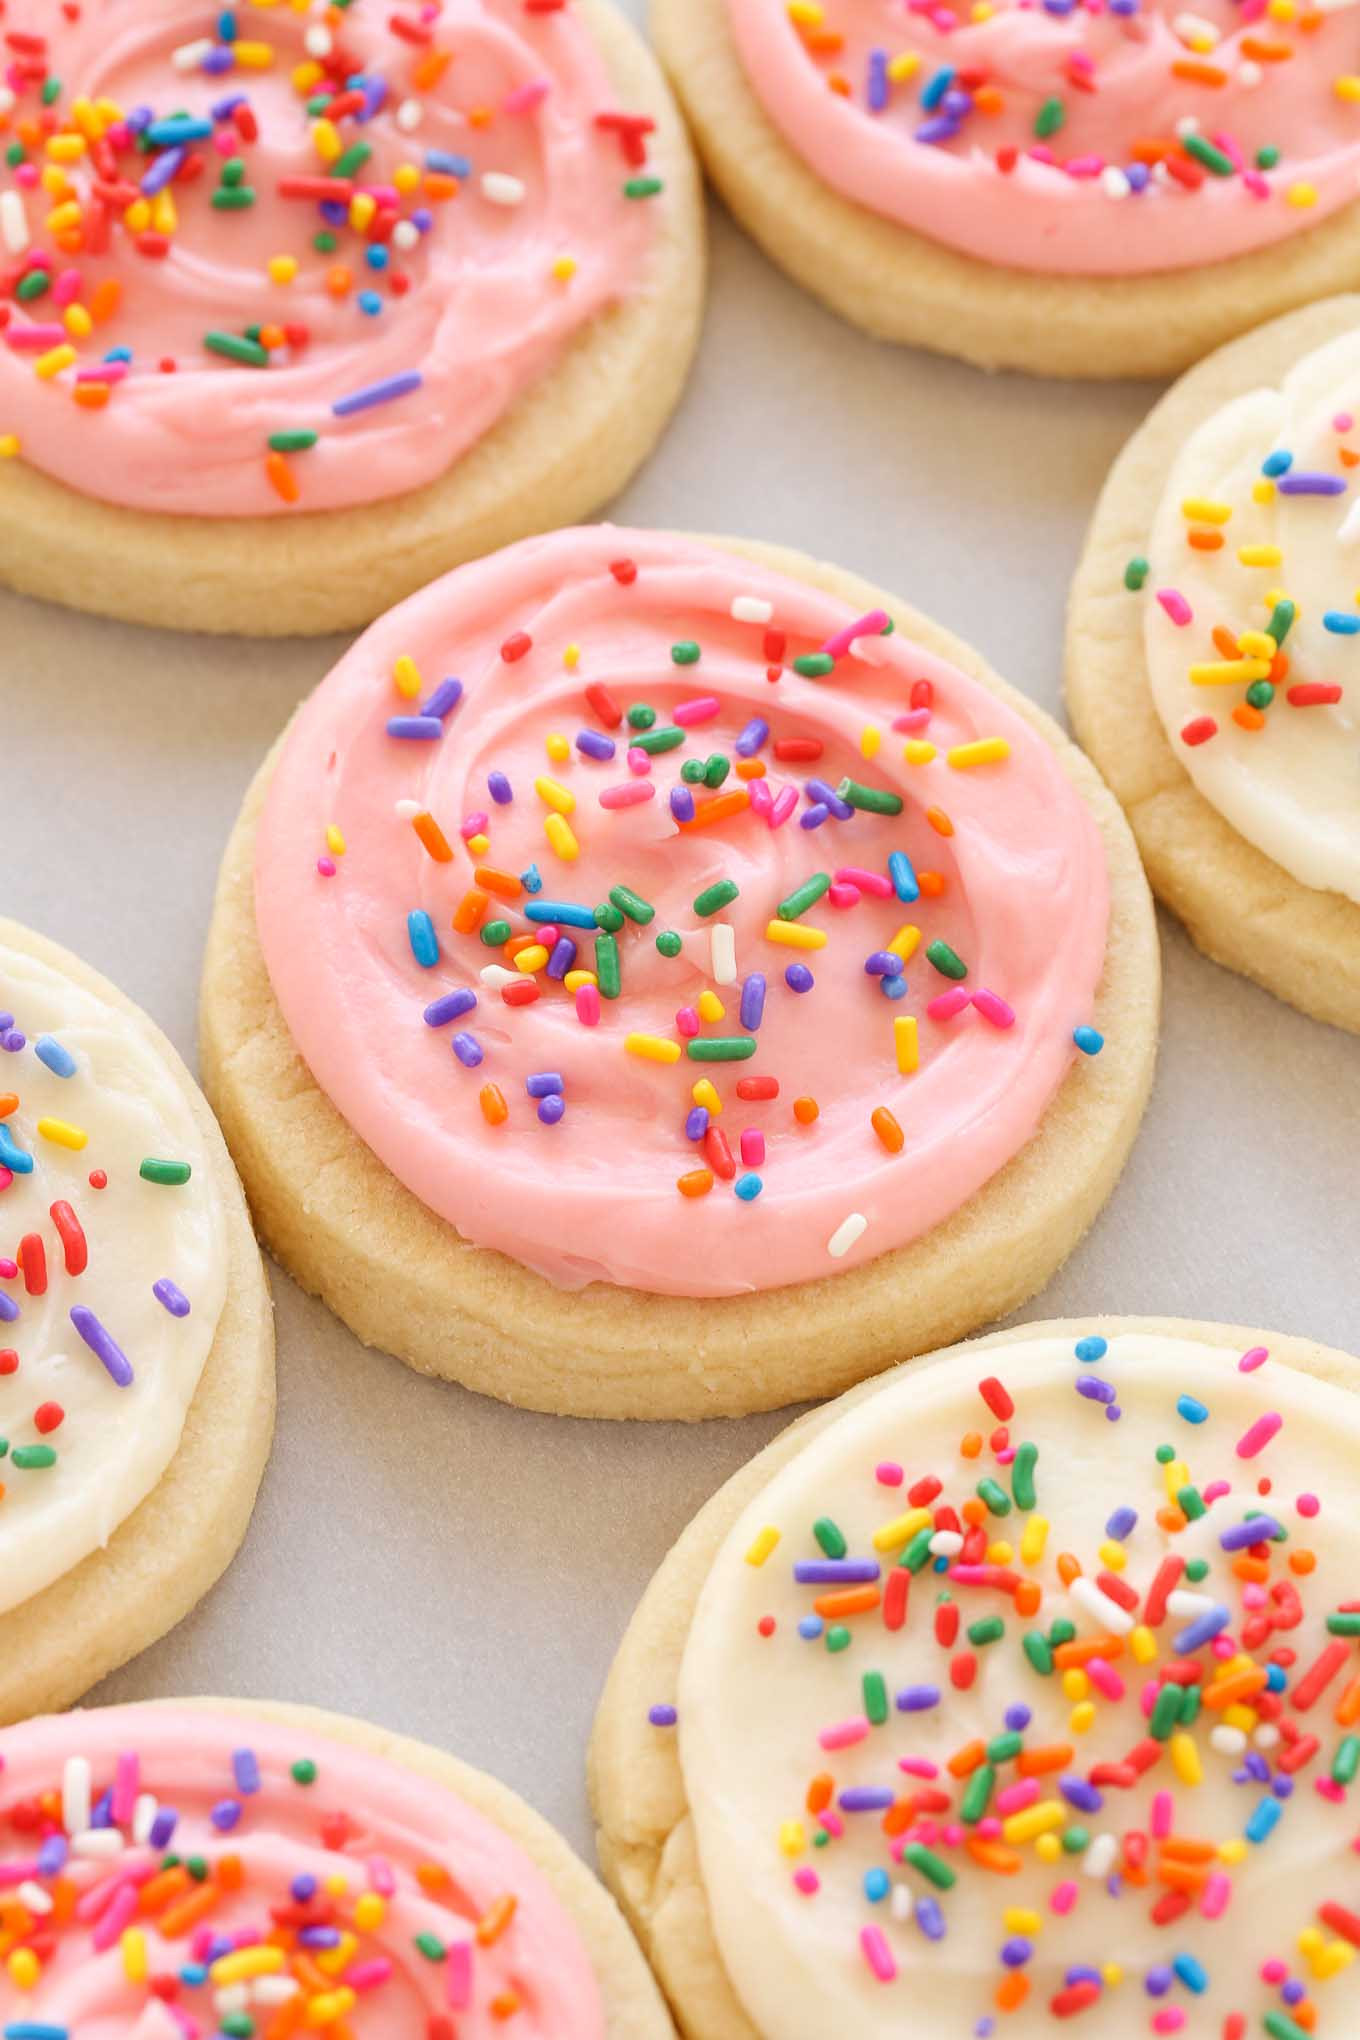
470 911
1248 718
970 1444
494 1922
819 1792
1279 668
1225 644
1083 1648
491 1098
1347 457
431 69
719 808
994 1856
1205 541
1265 52
1155 150
932 883
695 1183
105 300
847 1601
988 100
1348 1706
91 396
433 837
438 187
1069 1568
504 884
505 2004
1012 1990
1254 1570
516 943
1197 73
750 768
1183 1876
899 1817
432 1877
1171 1519
805 1110
160 1889
178 1918
1302 1562
1226 1692
9 1102
1028 1596
338 280
965 1761
823 42
839 84
1036 1763
281 477
1305 2012
887 1129
974 1512
939 821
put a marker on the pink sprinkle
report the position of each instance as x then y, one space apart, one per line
947 1004
1342 422
842 1734
1308 1505
832 1823
784 806
368 1975
588 1005
1176 606
843 895
687 1021
126 1774
1163 1814
1214 1490
877 1953
629 794
1273 1972
117 1914
887 1473
914 719
1329 1789
1260 1434
872 625
1015 1798
639 761
32 338
1084 166
1253 1597
326 866
762 800
1223 1647
702 708
1170 2019
952 1835
1217 1892
752 1146
1064 1898
994 1008
382 1876
1256 1357
225 142
103 372
989 1830
8 1269
473 825
526 97
918 1767
66 289
874 882
458 1975
1105 1678
1147 1698
807 1881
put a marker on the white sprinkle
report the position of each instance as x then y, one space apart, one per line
722 950
318 40
1183 1602
405 236
1229 1742
144 1817
847 1232
1096 1603
1099 1858
1349 528
1333 6
946 1544
1113 182
497 976
502 189
407 810
33 1897
1188 124
232 1997
275 1990
409 115
901 1902
8 102
100 1843
190 55
1266 1736
13 223
75 1794
1196 31
1249 76
750 609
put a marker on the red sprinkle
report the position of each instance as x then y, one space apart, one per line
515 646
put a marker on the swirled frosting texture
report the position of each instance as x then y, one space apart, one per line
1000 875
1108 139
85 1238
1018 1833
343 1892
1252 627
174 197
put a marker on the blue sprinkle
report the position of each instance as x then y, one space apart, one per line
424 941
748 1187
446 165
1088 1040
1192 1409
877 1885
905 882
531 880
1277 464
1265 1816
1092 1347
810 1627
893 987
565 913
1340 622
12 1157
936 87
1191 1972
59 1060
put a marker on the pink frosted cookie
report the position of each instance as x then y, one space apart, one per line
242 1867
1100 189
656 977
301 305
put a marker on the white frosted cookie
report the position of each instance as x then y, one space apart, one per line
661 977
1213 654
1017 1689
1097 191
301 306
247 1867
136 1333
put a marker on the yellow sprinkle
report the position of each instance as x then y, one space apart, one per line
764 1542
999 1553
1175 1476
362 208
1082 1719
1112 1974
792 1838
1233 1850
370 1911
564 268
9 445
795 935
335 840
905 942
132 1942
77 322
1301 195
244 1963
710 1006
1048 1848
1260 555
1257 644
282 268
406 177
137 216
53 362
1310 1941
1185 1758
986 751
406 674
906 1044
1201 510
337 1884
164 215
557 747
1239 1716
1336 1956
1263 491
332 1960
1018 1919
1075 1683
559 833
1347 87
559 797
652 1047
1033 1821
1143 1644
66 148
705 1093
806 13
1229 672
532 958
1034 1539
327 2006
1113 1555
571 657
62 1134
574 979
901 1530
253 56
870 739
917 751
478 845
326 140
63 218
24 1968
903 67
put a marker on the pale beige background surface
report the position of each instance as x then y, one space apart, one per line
463 1572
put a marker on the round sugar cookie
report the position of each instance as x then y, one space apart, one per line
136 1333
1228 522
661 977
236 403
389 1887
1048 189
965 1710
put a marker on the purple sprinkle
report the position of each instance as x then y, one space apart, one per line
320 1937
882 964
930 1919
1311 485
1202 1630
826 1572
1096 1390
1086 1798
682 804
662 1716
1158 1980
245 1769
377 393
225 1815
752 1001
164 169
799 978
696 1125
813 817
9 1309
418 729
1016 1953
1018 1718
468 1050
172 1296
163 1826
1256 1530
916 1699
544 1084
451 1006
828 797
444 700
105 1349
866 1798
594 745
303 1887
52 1855
753 738
1121 1524
552 1108
500 789
562 958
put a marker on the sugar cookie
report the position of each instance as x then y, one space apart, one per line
301 306
246 1867
1098 191
966 1710
660 977
1213 655
136 1335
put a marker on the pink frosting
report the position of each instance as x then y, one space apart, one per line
441 1869
986 179
466 299
1019 893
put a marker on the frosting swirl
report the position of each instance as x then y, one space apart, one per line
267 257
657 921
1109 139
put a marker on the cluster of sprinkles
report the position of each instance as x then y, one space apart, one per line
55 1254
957 102
94 195
1250 666
539 942
225 1940
1205 1649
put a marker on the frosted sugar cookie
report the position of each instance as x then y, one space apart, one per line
1213 657
136 1337
301 305
659 977
1014 1694
242 1867
1086 190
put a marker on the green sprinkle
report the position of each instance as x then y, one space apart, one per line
171 1174
686 653
608 917
232 347
292 442
197 1867
1260 694
874 800
994 1495
14 155
990 1629
1279 2025
947 961
1190 1706
643 187
628 902
1281 621
1049 118
838 1637
917 1553
875 1697
51 91
1191 1503
976 1795
1035 1646
814 665
1165 1454
930 1865
1166 1713
229 198
1061 1631
31 1458
1075 1840
325 243
829 1537
4 1447
1204 152
1346 1762
304 1771
607 966
1136 573
669 943
653 741
641 716
1196 1569
233 170
352 160
431 1947
238 2026
1337 1625
720 894
1267 157
693 771
493 933
717 769
35 285
804 896
1003 1748
722 1048
1022 1476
